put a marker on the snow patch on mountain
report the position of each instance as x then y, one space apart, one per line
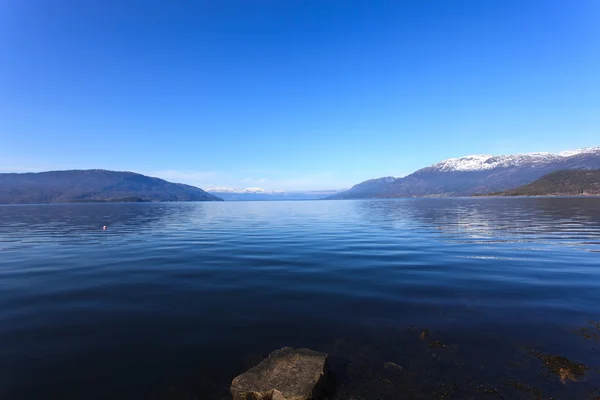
482 162
257 190
585 150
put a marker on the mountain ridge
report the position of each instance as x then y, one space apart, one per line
80 185
487 161
269 195
465 176
253 189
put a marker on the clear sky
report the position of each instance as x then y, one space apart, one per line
292 94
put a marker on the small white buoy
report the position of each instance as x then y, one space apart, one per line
104 227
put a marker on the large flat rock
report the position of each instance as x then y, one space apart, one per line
287 374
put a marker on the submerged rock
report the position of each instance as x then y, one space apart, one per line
287 374
564 368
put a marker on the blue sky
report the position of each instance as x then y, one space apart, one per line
292 94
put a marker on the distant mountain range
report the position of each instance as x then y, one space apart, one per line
91 186
469 175
560 183
260 194
464 176
249 190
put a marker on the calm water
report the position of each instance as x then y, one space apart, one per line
177 299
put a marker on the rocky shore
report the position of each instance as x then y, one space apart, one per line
414 364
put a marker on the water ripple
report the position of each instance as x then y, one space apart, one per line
209 279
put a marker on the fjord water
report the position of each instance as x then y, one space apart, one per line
180 296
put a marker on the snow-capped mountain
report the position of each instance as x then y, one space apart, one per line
585 150
483 162
257 193
464 176
246 190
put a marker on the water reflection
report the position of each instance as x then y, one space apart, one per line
71 223
183 292
489 218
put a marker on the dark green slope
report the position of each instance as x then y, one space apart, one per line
560 183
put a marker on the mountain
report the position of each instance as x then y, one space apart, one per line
260 194
468 175
560 183
249 190
93 185
366 189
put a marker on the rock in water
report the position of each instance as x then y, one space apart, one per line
287 374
